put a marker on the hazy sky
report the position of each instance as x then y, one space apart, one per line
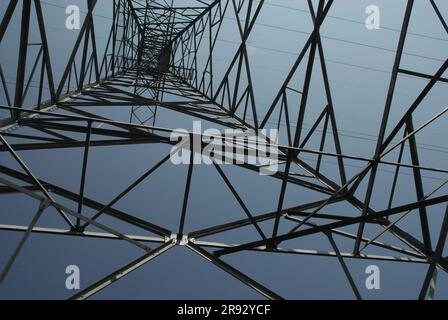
359 64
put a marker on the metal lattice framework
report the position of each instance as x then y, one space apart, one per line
154 59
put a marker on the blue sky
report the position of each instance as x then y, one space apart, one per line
359 64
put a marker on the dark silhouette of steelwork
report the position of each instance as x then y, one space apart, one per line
153 51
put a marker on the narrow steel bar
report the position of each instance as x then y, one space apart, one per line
122 272
33 178
234 272
384 121
23 53
435 257
344 267
42 206
84 172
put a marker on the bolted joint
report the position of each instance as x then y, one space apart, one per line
272 244
181 240
44 204
78 229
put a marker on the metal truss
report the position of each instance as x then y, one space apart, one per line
162 55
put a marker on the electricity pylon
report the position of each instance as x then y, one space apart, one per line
163 55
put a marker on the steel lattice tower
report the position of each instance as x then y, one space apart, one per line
162 55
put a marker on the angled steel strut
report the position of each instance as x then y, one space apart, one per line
166 56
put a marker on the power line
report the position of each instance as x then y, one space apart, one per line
356 134
308 33
347 41
295 55
349 133
355 21
82 11
359 135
